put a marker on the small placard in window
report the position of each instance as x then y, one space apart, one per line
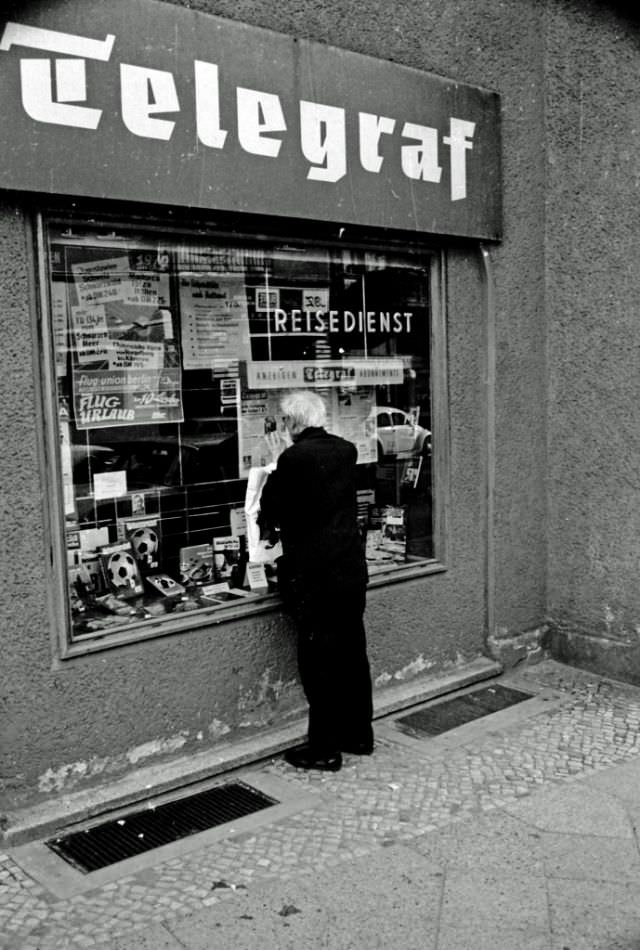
109 485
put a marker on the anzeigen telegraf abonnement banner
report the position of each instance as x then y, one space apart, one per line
150 102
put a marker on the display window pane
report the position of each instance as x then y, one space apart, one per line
171 356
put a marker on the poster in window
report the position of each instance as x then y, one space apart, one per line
215 324
106 398
113 280
125 368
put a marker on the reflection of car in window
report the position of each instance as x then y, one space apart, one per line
208 453
397 434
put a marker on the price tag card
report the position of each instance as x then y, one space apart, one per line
210 590
256 577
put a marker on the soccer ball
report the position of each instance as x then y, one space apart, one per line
122 570
145 543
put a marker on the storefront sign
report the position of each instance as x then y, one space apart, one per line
339 321
140 100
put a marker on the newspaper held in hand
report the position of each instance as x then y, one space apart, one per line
259 551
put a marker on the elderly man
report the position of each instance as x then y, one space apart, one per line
311 498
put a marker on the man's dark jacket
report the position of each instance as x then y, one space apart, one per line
311 497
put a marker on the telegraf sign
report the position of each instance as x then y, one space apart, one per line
349 372
141 100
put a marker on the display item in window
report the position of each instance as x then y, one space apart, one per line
145 544
121 569
226 559
165 585
311 498
196 564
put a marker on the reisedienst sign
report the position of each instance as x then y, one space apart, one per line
146 101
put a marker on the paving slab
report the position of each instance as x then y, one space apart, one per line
594 915
497 842
576 808
623 782
278 914
152 937
591 858
485 900
390 898
492 937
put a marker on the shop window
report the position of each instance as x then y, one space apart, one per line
170 357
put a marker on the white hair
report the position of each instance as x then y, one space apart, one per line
304 408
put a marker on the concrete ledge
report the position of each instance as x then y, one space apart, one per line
54 814
528 646
612 657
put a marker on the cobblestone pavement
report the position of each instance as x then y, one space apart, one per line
394 796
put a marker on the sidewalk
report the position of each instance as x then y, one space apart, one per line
515 831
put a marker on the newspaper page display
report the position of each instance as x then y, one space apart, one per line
350 414
260 414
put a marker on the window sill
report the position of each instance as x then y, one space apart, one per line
193 620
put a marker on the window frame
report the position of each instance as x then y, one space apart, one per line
41 218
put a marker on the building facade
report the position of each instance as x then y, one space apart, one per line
426 212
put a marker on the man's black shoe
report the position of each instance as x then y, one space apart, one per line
357 748
304 757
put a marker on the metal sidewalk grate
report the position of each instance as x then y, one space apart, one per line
446 715
122 838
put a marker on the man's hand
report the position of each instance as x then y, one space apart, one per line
277 442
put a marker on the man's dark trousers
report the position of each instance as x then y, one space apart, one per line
334 669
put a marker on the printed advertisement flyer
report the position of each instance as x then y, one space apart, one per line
104 281
104 398
215 324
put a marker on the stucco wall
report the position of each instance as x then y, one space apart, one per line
593 289
98 716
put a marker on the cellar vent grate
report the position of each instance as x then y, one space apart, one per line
155 825
450 713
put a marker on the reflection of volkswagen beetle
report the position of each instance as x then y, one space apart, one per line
397 434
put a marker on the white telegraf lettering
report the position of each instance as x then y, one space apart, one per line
421 160
371 128
71 81
137 86
258 114
459 141
323 140
145 93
